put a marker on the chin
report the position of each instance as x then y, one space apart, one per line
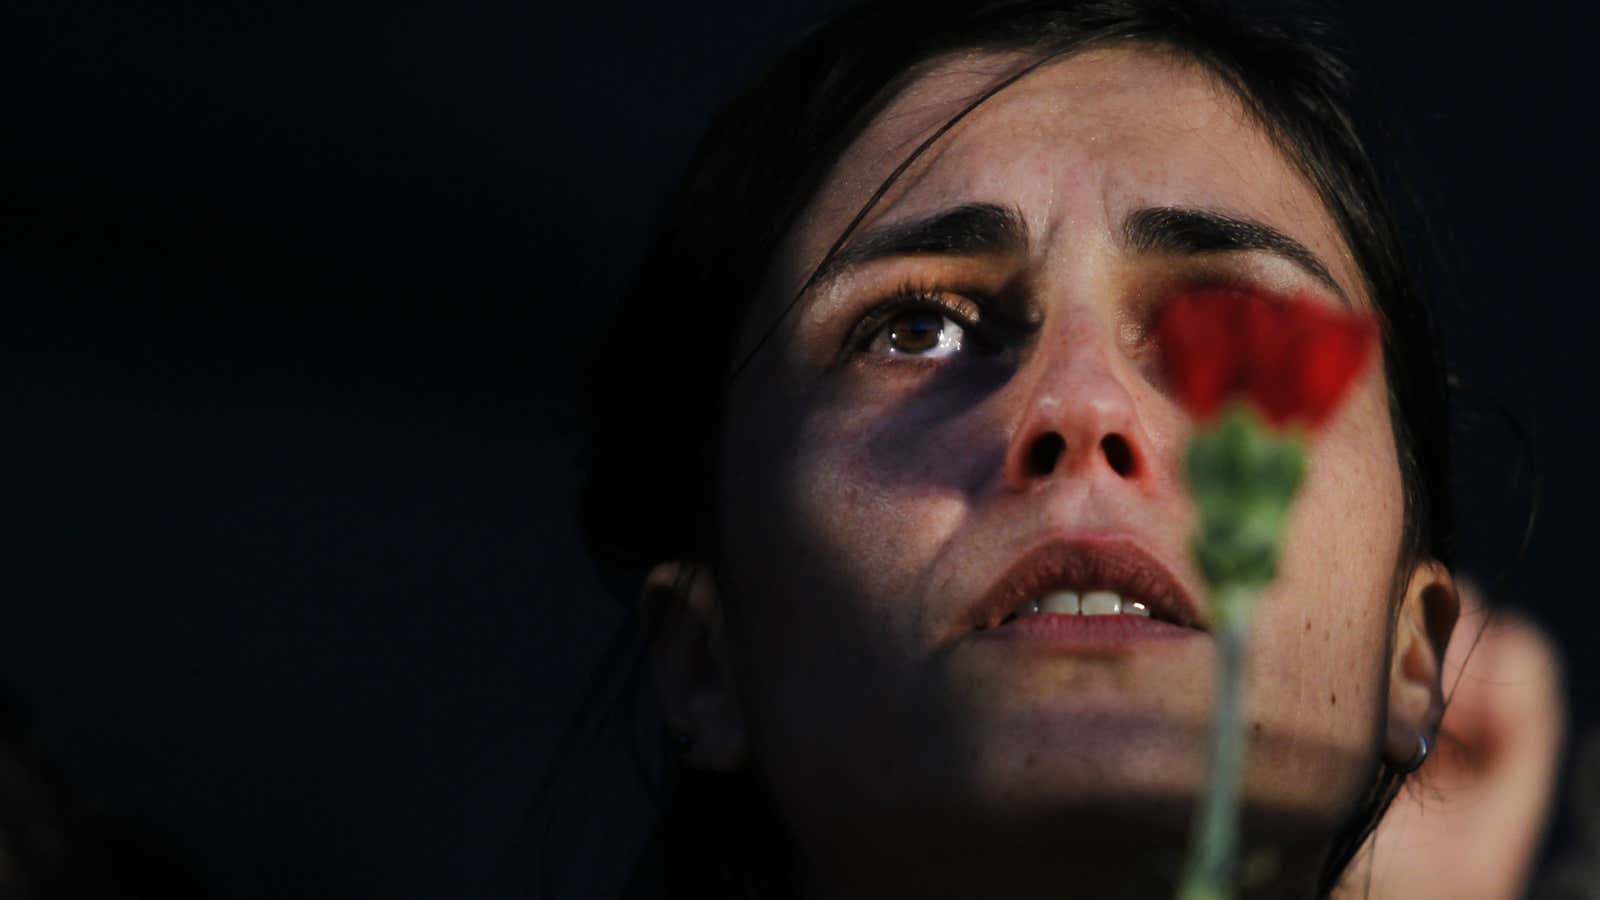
1092 757
1136 734
1087 801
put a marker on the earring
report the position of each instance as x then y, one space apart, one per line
1417 759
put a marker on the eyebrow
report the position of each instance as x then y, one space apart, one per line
972 229
988 229
1186 231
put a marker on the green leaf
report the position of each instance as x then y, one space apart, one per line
1243 477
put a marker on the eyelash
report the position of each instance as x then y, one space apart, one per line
918 298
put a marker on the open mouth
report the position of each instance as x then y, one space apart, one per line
1101 581
1095 622
1084 603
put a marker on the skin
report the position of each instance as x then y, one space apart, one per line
869 499
1470 823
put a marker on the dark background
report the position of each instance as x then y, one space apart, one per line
291 299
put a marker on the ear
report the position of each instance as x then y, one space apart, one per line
1428 614
682 617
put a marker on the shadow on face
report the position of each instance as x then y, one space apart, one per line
976 380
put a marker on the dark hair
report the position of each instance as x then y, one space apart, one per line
656 420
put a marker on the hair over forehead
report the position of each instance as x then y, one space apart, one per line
655 382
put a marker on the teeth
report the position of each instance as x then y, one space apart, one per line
1063 603
1089 603
1101 603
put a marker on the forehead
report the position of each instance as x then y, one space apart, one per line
1073 146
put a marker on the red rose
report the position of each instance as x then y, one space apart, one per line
1291 359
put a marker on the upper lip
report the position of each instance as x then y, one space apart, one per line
1086 565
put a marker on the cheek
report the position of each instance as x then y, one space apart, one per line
836 513
1322 629
856 496
833 513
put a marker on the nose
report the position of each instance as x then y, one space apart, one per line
1079 415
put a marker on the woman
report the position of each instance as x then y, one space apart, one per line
887 381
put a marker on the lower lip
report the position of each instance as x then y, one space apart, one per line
1089 634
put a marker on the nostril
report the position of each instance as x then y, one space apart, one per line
1118 454
1045 453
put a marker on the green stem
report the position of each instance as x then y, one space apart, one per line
1208 874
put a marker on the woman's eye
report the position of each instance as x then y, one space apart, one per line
925 333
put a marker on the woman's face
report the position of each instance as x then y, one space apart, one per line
881 476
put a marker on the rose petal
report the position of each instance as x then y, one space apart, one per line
1293 360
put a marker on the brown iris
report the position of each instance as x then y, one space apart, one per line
916 332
